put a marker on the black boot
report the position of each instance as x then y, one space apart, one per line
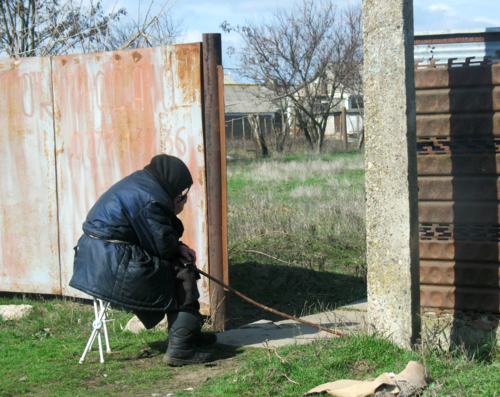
184 330
203 339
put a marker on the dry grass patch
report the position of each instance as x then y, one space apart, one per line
297 225
278 171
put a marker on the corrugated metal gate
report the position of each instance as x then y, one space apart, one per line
458 148
74 125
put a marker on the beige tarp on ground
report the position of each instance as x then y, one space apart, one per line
414 378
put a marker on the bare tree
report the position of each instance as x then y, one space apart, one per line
304 55
161 29
280 132
57 27
354 80
52 27
258 136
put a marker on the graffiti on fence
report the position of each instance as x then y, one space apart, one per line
29 259
105 115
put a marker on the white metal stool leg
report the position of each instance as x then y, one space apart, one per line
105 319
99 322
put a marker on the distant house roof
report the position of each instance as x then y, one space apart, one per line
228 79
246 98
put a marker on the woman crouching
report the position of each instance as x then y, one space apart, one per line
131 255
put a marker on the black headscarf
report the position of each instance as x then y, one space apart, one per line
171 173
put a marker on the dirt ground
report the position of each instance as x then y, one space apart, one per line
194 376
176 378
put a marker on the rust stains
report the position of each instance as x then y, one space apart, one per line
136 56
29 259
201 175
458 119
57 118
188 58
108 120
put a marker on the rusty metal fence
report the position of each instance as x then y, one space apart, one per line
71 126
458 149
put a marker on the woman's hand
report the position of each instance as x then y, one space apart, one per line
187 253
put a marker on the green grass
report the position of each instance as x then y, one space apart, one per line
39 356
307 212
303 367
43 350
296 227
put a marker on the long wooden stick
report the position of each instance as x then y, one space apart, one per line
331 331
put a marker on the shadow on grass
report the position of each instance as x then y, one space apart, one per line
292 290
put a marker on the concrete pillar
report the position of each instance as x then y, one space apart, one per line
391 170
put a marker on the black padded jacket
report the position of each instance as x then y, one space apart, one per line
130 235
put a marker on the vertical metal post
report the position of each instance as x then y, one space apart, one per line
212 59
344 129
223 176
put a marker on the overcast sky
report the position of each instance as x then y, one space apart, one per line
204 16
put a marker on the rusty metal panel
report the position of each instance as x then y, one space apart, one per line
469 188
474 274
451 232
447 164
458 146
437 272
472 242
459 212
475 99
462 124
113 112
450 297
28 206
462 250
469 76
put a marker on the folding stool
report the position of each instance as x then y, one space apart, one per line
98 325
